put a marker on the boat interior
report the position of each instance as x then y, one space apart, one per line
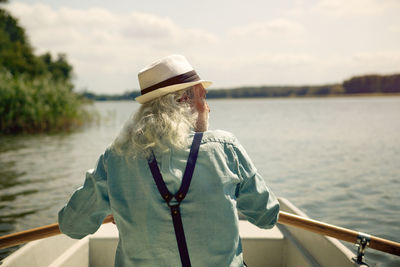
280 246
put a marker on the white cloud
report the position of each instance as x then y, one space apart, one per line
107 49
268 29
355 7
106 43
395 29
271 60
342 8
99 26
304 68
384 61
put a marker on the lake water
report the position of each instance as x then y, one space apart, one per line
337 159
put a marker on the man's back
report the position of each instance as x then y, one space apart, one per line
208 211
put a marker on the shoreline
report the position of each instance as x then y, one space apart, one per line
283 97
314 96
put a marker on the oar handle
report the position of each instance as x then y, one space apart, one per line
34 234
337 232
284 218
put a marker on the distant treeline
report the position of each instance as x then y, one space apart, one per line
107 97
36 92
366 84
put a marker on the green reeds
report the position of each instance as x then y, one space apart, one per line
39 105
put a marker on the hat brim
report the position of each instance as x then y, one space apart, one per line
169 89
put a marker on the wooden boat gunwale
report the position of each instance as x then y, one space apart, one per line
282 246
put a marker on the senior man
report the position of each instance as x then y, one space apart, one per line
173 186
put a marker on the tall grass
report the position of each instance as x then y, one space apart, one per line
39 105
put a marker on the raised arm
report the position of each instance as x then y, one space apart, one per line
88 206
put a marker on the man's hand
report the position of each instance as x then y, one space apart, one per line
109 218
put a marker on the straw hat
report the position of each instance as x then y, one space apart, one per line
167 75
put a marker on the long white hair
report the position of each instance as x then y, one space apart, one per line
162 123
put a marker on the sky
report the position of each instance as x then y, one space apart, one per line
230 42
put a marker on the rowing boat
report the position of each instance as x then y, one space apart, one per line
280 246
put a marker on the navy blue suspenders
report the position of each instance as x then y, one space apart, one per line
179 196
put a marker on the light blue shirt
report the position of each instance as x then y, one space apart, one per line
224 181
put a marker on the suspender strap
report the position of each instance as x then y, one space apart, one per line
180 235
187 176
179 196
162 188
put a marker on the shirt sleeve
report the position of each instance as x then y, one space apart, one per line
88 206
254 199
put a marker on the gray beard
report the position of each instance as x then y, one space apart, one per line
201 125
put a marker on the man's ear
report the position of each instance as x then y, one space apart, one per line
185 98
